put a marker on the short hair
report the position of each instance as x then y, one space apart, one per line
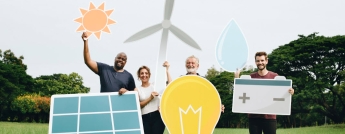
121 53
197 59
261 54
143 67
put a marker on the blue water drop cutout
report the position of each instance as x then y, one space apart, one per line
232 48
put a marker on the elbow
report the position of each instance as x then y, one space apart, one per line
85 60
142 105
86 63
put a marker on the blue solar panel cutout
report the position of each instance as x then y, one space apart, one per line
101 113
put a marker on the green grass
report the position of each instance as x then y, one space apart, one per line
328 129
23 128
35 128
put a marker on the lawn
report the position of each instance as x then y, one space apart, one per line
35 128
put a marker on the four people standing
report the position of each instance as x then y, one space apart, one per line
116 79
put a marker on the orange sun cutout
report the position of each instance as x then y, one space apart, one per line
95 20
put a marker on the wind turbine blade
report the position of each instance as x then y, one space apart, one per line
144 33
184 37
169 4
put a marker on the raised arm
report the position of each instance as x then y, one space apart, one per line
167 65
237 73
87 59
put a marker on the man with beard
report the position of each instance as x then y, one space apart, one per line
192 65
259 123
112 78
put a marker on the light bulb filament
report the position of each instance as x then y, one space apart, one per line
190 122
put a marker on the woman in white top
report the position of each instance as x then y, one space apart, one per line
149 102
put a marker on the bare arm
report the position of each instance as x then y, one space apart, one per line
169 77
145 102
237 73
167 65
87 59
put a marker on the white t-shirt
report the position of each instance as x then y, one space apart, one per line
144 93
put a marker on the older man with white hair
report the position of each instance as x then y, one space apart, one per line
192 66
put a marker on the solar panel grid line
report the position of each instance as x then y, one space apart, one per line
96 113
65 114
126 130
125 111
100 131
82 113
78 114
111 109
88 132
91 132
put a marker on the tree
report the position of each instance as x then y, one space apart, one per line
9 58
223 81
13 81
211 72
314 63
48 85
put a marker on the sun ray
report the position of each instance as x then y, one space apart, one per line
108 12
98 34
92 6
83 11
101 7
110 21
106 29
81 28
80 20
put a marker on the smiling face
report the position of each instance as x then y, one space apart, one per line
120 61
192 65
261 60
144 74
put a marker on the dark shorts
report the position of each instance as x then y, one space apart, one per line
153 123
259 125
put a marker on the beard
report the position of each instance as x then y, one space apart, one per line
263 67
117 67
191 70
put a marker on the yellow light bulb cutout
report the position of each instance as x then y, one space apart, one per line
190 105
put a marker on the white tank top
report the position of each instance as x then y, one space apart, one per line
144 93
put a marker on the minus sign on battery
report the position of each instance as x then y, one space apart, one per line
278 99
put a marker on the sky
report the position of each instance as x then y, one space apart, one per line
44 32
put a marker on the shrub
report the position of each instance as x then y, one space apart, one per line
31 107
